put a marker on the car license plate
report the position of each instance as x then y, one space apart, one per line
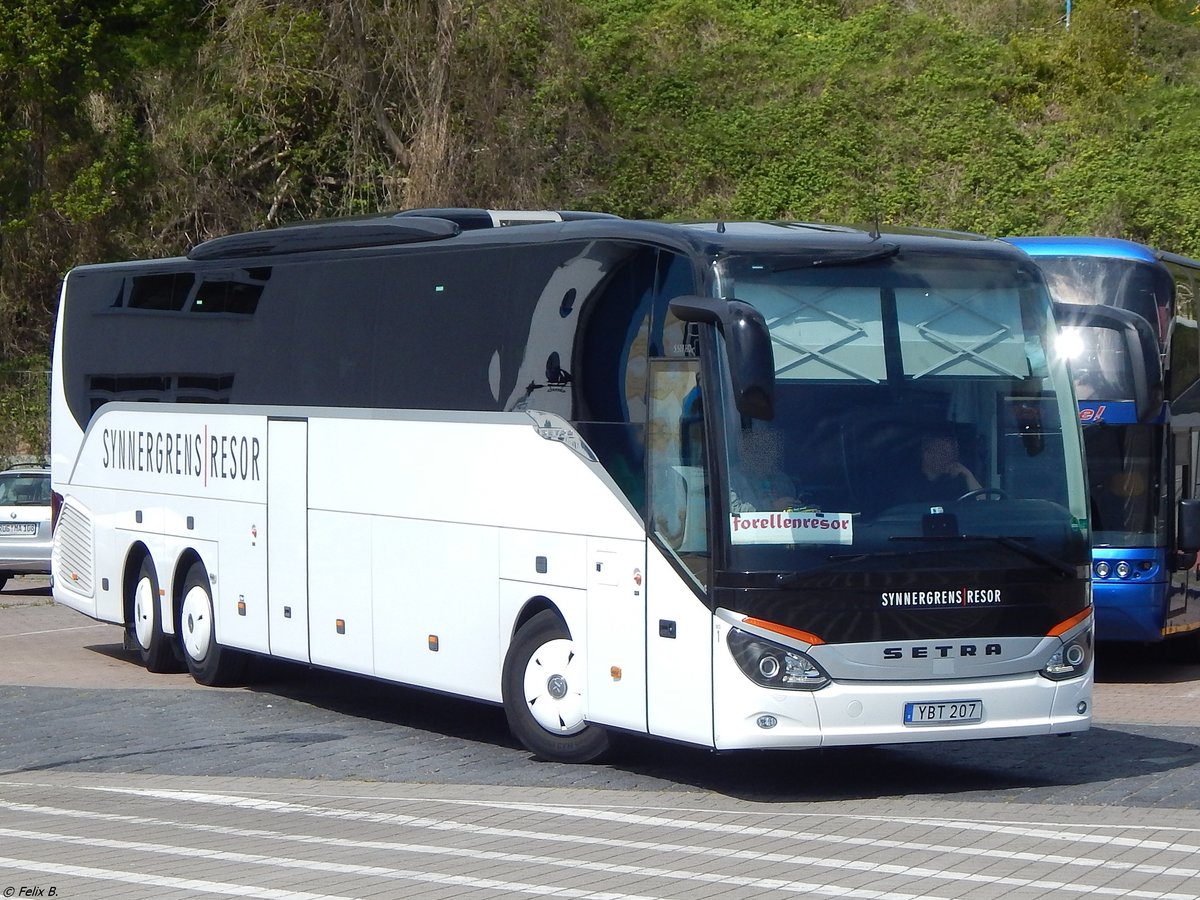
18 528
944 712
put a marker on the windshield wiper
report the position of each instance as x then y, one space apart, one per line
879 251
786 579
1012 543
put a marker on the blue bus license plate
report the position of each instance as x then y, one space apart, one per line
944 712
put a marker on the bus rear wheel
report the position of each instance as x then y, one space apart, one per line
209 662
543 698
153 646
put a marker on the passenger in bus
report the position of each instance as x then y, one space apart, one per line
943 477
760 483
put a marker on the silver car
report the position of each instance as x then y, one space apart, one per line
25 538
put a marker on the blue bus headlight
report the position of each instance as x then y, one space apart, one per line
1102 569
1123 569
772 665
1071 659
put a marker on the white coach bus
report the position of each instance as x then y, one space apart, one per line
739 485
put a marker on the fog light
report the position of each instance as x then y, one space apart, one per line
1081 707
767 721
1102 569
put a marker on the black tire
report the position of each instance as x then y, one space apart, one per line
541 699
209 662
153 646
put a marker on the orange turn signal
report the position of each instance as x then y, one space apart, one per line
796 633
1065 626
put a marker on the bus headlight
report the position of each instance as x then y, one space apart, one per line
1103 569
1123 569
772 665
1071 659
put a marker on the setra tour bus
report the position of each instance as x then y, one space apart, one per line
1139 404
738 485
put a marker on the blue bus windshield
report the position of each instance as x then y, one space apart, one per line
1141 287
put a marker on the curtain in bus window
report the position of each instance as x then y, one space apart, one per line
821 332
678 473
670 336
961 332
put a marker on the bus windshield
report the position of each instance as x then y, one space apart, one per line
1140 287
919 410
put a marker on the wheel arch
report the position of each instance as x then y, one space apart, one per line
533 606
570 609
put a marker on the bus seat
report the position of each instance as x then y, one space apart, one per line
694 539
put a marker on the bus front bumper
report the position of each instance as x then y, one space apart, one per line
849 714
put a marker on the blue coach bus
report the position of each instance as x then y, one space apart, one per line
1130 316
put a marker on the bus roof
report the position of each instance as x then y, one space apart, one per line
400 233
1106 247
427 226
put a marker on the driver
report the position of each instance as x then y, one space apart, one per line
943 477
760 483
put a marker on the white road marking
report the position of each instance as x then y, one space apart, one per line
1036 832
164 881
507 887
627 818
57 630
881 869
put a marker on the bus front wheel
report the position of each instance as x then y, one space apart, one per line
209 662
542 686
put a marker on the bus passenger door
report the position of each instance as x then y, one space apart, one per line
287 537
679 624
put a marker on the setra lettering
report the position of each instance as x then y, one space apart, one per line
942 651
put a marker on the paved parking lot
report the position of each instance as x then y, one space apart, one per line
61 670
158 837
118 783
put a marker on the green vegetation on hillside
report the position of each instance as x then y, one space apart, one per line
140 127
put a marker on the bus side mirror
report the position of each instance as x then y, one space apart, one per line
1188 530
748 345
1140 344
